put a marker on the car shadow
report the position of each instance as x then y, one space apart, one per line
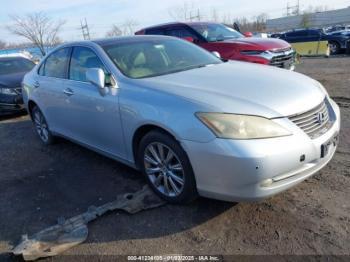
39 184
4 117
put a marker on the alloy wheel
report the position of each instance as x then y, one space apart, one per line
41 126
333 47
164 169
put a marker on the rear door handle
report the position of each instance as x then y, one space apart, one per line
68 92
36 84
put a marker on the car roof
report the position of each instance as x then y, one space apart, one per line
7 58
110 41
130 39
177 23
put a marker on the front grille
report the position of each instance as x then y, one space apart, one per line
314 122
282 60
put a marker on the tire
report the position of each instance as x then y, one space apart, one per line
167 168
41 126
334 47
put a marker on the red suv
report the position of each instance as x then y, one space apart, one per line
229 43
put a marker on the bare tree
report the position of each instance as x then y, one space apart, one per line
114 31
129 26
181 12
214 15
3 45
305 20
316 9
38 28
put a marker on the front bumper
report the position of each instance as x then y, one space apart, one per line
251 170
11 104
283 59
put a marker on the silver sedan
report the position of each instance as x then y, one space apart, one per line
193 124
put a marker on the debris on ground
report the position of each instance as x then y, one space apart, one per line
68 233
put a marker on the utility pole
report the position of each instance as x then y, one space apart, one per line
198 16
293 10
298 8
85 29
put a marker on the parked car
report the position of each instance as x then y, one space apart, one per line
337 43
229 43
343 32
12 71
337 28
190 122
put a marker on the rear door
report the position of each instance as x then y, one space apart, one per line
49 87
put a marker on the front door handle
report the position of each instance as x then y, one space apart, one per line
68 92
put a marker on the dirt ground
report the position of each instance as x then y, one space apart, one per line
38 184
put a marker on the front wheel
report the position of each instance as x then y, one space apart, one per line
167 168
41 126
334 48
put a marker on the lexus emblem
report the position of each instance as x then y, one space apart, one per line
321 118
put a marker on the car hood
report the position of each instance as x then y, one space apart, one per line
243 88
259 43
12 80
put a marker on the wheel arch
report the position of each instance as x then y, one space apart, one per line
141 132
31 105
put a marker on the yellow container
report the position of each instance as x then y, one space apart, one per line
316 48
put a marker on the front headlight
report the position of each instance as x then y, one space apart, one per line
7 91
233 126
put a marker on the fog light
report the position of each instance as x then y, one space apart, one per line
266 182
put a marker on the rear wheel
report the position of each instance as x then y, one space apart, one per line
41 126
334 48
167 168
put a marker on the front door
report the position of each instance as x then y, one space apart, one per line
93 119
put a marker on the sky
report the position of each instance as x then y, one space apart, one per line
102 14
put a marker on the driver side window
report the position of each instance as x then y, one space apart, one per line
83 59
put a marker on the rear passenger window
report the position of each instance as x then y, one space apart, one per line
155 31
82 59
297 34
180 32
56 64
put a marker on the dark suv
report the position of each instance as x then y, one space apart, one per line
337 43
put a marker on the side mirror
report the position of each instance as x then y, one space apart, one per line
97 77
189 39
248 34
217 54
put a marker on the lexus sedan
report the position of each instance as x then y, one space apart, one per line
12 71
193 124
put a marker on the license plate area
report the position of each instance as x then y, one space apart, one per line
326 146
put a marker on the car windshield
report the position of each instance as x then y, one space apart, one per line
216 32
149 58
15 65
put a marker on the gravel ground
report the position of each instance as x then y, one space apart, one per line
38 184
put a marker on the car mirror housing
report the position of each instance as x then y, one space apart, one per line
217 54
97 77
